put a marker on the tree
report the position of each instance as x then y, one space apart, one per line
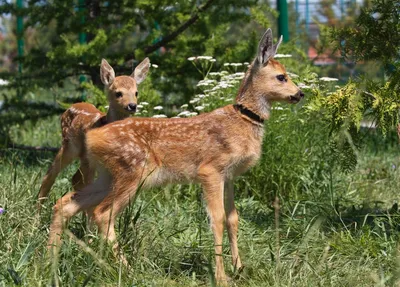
122 31
374 37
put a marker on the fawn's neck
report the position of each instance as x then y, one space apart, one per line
115 115
251 98
254 102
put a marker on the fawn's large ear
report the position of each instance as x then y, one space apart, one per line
266 50
141 70
276 46
107 74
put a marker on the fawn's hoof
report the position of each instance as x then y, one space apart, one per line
239 270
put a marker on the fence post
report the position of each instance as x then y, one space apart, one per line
283 21
82 40
20 41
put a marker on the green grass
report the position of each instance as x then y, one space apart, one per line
335 229
346 240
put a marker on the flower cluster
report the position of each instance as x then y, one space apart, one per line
217 88
327 79
277 56
207 58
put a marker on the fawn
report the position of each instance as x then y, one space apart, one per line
211 149
81 117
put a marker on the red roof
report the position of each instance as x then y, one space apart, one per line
325 58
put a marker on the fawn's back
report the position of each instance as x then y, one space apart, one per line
77 120
170 150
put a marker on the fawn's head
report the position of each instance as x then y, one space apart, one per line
266 80
123 90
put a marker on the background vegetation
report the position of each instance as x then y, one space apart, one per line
335 177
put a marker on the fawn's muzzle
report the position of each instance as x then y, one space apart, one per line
131 107
297 97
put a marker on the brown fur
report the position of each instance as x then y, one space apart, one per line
80 118
211 149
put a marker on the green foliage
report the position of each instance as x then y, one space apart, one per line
375 36
166 238
384 105
74 51
346 107
125 30
96 96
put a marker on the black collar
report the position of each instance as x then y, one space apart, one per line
245 111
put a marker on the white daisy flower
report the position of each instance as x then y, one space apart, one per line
158 108
159 116
292 75
205 83
327 79
282 56
303 86
204 57
202 84
215 74
184 114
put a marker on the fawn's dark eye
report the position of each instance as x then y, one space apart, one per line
137 94
281 78
118 94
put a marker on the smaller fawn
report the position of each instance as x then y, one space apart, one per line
81 117
211 149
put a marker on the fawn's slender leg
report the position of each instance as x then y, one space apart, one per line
74 202
63 158
213 186
232 223
106 212
84 175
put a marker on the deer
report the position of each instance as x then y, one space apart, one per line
211 149
122 94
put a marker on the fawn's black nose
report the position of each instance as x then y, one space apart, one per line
301 94
132 107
